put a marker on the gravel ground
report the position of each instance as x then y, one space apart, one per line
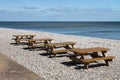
60 68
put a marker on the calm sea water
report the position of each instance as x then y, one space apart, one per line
108 30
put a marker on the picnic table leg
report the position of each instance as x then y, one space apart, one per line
16 40
47 49
33 48
103 53
94 55
28 37
31 37
21 37
72 46
29 44
46 42
54 55
107 62
86 65
50 41
82 57
68 47
72 57
50 49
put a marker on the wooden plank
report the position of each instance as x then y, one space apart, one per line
59 51
87 61
61 44
89 50
41 39
24 35
97 59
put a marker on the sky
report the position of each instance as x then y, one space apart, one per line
59 10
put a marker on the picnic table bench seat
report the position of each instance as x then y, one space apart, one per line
61 44
42 42
59 51
37 45
59 48
87 61
109 58
22 38
21 41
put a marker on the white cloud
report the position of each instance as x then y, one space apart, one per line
62 13
29 8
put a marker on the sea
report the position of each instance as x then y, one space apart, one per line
107 30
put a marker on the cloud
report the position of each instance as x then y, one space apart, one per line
62 13
74 11
58 11
29 8
61 9
2 12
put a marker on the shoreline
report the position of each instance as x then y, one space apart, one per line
55 68
66 34
59 33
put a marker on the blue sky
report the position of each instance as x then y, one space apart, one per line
59 10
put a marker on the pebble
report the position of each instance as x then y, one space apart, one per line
53 68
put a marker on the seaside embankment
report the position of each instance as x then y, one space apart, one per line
58 68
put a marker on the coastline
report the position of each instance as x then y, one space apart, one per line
53 68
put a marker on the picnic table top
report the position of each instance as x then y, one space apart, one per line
24 35
41 39
60 44
89 50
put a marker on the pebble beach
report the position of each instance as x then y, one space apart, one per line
59 68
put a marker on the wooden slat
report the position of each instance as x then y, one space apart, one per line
61 44
91 60
59 51
88 50
23 35
74 59
37 45
22 40
41 39
97 59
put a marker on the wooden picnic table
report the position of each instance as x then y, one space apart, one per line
53 46
24 36
20 38
93 54
33 43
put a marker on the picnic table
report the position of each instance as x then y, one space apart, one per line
54 48
93 53
34 43
21 38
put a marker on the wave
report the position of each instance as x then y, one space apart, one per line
105 31
112 31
